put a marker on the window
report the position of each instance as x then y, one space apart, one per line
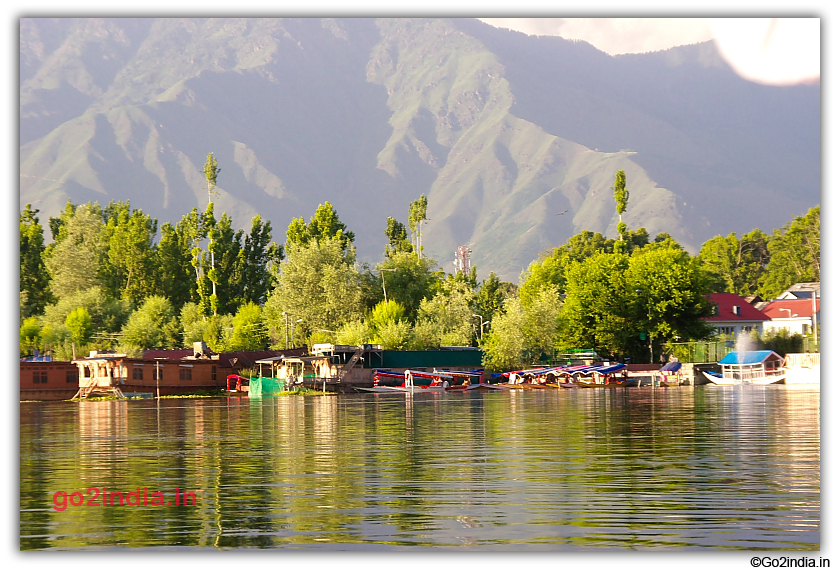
213 373
72 377
39 377
186 373
747 328
87 372
137 373
158 373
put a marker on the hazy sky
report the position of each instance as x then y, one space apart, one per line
767 50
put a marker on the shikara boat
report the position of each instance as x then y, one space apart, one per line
240 384
760 367
439 382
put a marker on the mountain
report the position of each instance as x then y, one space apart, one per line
501 131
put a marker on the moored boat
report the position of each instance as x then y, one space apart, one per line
439 382
758 367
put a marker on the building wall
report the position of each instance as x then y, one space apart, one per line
57 380
801 326
135 375
735 328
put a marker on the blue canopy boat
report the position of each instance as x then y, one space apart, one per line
749 367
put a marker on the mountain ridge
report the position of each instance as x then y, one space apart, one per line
500 130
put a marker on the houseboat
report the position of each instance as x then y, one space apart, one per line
42 378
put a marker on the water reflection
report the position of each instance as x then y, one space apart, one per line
721 467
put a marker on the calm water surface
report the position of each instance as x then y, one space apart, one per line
631 468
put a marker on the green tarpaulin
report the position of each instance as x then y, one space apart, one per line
266 386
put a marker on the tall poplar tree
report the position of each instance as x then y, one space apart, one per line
416 217
622 195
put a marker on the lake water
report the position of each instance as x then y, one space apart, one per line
711 467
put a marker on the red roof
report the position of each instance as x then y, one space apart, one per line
779 308
172 353
727 302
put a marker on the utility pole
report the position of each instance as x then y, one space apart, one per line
157 377
285 314
384 292
483 322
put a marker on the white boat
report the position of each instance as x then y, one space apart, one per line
440 383
758 367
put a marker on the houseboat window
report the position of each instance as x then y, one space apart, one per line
213 373
39 377
72 376
158 373
186 373
87 372
137 373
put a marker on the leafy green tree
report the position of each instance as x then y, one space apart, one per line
505 346
794 254
218 332
227 266
491 295
354 333
395 335
550 269
80 325
132 254
259 257
409 280
318 283
34 278
597 312
664 240
397 238
30 336
447 318
780 341
672 300
386 312
611 299
735 265
542 323
107 315
193 323
324 224
249 330
176 281
75 260
152 325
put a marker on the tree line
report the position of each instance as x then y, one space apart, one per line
111 278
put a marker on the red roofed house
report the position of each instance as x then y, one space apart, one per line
734 315
795 315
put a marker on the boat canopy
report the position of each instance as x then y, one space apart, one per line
737 357
671 367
